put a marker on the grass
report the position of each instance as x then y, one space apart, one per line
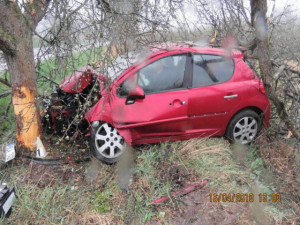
46 196
56 69
62 195
7 122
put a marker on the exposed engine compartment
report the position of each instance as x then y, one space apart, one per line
65 108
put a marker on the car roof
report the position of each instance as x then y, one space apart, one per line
160 48
123 63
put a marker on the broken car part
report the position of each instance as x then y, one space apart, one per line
64 109
184 191
58 161
7 196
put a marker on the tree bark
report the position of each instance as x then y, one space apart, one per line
16 29
259 8
24 92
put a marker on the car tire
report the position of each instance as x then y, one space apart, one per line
106 143
244 127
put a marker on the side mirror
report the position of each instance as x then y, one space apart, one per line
135 93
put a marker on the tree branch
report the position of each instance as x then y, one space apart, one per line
7 39
287 67
278 73
4 94
36 10
4 81
8 47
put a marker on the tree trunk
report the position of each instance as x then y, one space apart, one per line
24 92
259 9
16 28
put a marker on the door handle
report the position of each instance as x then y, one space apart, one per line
177 102
231 96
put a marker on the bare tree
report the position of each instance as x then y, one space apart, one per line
258 19
18 20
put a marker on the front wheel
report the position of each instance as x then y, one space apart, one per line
244 127
106 143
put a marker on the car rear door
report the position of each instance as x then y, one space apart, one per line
212 95
163 111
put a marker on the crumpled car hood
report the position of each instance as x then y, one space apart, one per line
80 79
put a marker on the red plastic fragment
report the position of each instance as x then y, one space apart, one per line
184 191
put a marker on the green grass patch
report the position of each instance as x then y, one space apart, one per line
61 194
6 115
56 69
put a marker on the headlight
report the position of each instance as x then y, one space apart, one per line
95 124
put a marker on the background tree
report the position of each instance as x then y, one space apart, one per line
258 20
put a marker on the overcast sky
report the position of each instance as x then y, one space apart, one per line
280 4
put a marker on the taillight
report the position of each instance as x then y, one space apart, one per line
261 87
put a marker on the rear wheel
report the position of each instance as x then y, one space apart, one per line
107 144
244 127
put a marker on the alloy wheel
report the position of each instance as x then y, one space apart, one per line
245 130
108 142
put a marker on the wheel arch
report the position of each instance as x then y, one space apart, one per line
256 112
125 133
253 108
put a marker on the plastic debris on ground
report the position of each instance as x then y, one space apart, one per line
7 196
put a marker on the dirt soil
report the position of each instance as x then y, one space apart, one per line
199 210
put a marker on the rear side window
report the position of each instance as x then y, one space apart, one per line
211 69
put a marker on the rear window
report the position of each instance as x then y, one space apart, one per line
211 69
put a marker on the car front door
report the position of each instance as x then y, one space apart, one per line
163 111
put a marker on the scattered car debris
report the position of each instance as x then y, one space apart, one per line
59 161
184 191
7 196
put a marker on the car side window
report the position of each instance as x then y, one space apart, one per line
161 75
211 69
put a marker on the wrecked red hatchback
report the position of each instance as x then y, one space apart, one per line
177 93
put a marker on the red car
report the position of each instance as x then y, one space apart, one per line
179 93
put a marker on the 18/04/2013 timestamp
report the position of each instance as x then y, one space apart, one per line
244 197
